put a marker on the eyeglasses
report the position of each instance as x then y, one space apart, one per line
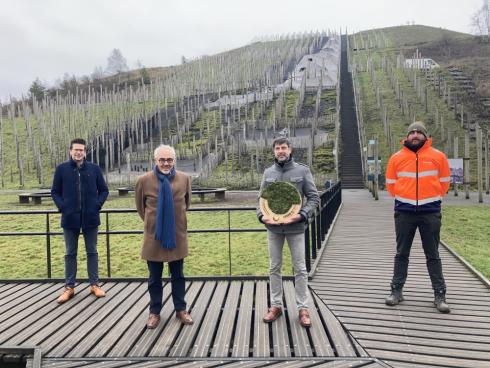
163 160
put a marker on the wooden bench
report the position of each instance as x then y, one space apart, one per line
219 193
36 197
125 190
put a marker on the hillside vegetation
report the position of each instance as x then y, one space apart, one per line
390 94
197 107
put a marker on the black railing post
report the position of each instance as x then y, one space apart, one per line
313 237
318 223
229 242
107 244
307 248
48 246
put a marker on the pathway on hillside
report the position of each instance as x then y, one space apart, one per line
350 165
353 279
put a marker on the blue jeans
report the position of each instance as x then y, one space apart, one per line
155 285
71 245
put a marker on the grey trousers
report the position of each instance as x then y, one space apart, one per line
296 244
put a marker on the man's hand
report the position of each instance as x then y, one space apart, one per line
291 220
269 221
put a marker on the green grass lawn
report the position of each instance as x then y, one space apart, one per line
466 229
25 257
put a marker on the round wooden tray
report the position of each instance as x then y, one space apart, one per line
277 217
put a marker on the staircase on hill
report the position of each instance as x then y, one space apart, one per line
350 158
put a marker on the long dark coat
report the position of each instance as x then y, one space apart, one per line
146 196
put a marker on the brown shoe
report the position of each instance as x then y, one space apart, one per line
97 291
184 317
66 295
153 321
273 314
304 317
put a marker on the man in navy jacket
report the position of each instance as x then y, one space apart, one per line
79 191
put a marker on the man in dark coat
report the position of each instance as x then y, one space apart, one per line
79 191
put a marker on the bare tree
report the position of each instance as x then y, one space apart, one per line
98 73
481 21
116 62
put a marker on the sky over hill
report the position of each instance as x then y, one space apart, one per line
48 38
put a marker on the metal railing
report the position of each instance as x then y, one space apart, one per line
318 226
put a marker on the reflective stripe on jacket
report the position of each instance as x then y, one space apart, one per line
418 180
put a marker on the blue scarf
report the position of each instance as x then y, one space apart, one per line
165 226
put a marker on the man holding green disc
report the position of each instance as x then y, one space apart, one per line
289 225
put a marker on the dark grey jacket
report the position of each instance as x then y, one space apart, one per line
300 176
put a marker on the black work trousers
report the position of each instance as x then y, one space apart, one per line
429 225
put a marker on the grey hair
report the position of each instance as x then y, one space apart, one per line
167 147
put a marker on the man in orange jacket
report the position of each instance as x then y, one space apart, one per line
418 177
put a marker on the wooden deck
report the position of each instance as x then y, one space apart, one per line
228 327
353 279
351 325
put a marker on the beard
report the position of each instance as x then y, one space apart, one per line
414 146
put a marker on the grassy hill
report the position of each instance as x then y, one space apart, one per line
390 92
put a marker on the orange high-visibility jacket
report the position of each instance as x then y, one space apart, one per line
418 181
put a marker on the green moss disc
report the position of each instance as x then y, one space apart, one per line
281 196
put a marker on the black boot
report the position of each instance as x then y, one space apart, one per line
440 301
396 295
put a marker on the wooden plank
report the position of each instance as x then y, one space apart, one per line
169 335
184 340
47 363
245 364
341 341
35 302
477 317
20 330
18 292
209 326
412 357
416 326
123 332
318 333
425 349
4 287
261 342
429 333
221 346
66 318
100 326
406 305
424 318
241 342
344 364
62 343
24 298
300 341
140 339
280 339
428 341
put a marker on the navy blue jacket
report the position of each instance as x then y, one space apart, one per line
79 194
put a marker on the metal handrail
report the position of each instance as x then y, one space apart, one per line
318 226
